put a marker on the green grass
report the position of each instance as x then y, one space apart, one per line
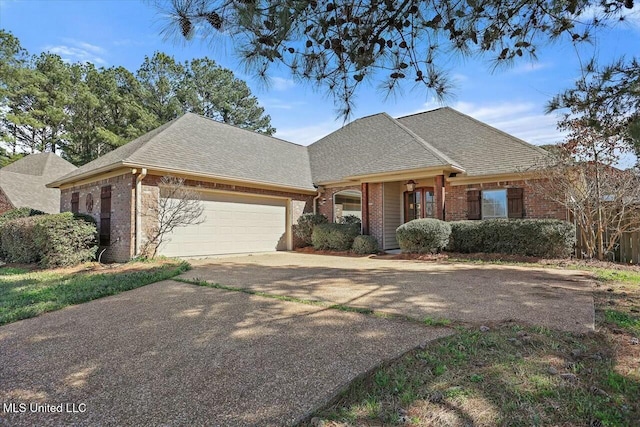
501 377
25 294
623 320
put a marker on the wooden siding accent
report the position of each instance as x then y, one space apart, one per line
75 202
515 202
392 214
473 204
364 190
105 215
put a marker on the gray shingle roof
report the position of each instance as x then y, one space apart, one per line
479 148
192 143
24 181
370 145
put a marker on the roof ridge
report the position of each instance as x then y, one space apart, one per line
495 129
424 112
345 126
243 129
439 154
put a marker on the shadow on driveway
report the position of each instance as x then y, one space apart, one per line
176 354
553 298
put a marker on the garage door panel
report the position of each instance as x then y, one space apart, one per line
232 224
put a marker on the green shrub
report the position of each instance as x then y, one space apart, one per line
86 218
365 245
18 243
423 235
15 214
549 238
304 228
350 219
19 213
335 237
63 240
51 240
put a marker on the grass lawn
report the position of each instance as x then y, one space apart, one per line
26 292
511 375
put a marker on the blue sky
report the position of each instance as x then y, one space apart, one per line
122 32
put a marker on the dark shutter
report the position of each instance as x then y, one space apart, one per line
75 202
515 202
473 204
105 216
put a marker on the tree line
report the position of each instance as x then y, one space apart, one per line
83 111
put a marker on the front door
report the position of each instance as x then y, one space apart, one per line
420 203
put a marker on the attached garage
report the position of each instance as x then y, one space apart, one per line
232 224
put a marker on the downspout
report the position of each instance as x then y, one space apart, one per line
315 199
139 178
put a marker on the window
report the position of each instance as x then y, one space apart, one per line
494 204
105 216
347 203
502 203
75 202
420 203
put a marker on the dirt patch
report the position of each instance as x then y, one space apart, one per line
311 250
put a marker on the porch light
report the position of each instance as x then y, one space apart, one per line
411 185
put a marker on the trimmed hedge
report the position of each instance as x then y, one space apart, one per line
304 228
548 238
334 237
15 214
350 219
365 245
51 240
423 235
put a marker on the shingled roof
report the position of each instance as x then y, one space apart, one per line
195 144
479 148
372 145
24 182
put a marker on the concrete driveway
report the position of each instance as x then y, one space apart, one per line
473 293
178 354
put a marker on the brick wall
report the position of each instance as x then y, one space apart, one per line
325 203
535 207
5 204
122 213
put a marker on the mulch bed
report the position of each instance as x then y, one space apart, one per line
481 256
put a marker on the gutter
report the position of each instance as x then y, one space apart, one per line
315 199
139 178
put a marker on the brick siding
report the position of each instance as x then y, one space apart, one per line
535 207
122 213
5 204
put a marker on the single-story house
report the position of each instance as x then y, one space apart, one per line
23 183
387 171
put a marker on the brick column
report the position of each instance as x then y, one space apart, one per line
439 196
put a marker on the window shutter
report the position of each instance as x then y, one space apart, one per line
105 216
473 204
515 202
75 202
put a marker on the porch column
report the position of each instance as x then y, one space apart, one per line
439 197
364 204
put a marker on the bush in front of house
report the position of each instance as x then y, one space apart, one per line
364 245
62 240
306 223
15 214
350 219
548 238
426 235
334 237
18 243
51 240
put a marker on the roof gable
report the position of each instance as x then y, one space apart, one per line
24 181
371 145
479 148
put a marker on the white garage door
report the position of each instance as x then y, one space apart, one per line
232 224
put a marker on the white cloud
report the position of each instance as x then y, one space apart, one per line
307 134
280 104
524 120
531 67
281 84
79 51
630 17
